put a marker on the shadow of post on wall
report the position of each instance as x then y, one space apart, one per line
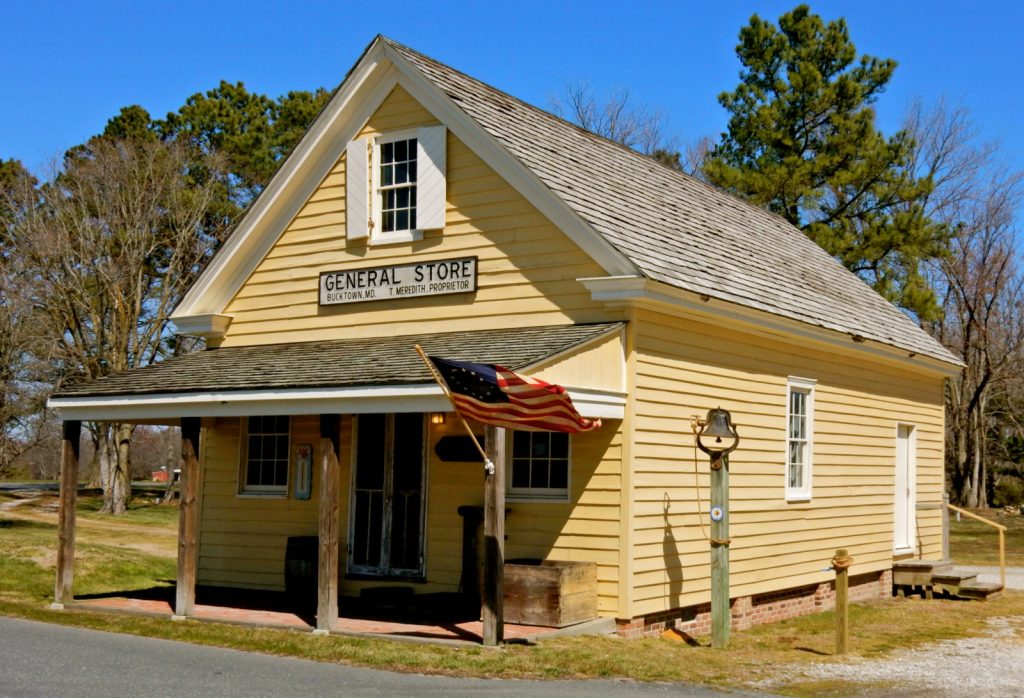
670 555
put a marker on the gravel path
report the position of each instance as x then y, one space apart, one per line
979 666
1014 575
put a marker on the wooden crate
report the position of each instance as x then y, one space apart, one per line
553 593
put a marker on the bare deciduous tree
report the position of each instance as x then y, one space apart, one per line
981 285
114 240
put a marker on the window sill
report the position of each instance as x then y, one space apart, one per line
367 577
283 494
798 498
537 498
395 238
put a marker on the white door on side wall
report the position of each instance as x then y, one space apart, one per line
904 520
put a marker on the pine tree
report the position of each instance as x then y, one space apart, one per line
802 142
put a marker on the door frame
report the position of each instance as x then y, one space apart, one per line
386 572
904 541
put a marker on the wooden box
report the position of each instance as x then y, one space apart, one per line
552 593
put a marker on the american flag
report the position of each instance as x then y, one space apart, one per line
494 395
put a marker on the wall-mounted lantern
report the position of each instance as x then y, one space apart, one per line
717 436
437 417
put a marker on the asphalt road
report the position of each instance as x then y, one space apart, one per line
38 659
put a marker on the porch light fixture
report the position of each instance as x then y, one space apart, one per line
437 418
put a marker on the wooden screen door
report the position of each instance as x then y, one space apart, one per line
904 519
388 504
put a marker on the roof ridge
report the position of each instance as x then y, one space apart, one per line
590 134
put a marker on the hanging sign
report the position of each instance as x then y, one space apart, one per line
303 471
438 277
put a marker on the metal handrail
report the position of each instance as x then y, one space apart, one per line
1002 538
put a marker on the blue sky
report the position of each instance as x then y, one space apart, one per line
69 66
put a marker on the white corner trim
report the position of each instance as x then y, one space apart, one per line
207 325
638 290
242 403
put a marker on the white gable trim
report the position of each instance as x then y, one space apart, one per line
618 291
366 87
511 169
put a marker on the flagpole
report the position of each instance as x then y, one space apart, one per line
488 464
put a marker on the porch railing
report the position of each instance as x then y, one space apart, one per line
1002 538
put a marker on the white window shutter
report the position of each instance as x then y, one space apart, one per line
430 177
357 189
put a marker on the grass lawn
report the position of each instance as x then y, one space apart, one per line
137 551
973 543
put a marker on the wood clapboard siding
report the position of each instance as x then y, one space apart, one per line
243 538
527 267
685 367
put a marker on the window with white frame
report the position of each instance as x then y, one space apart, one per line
395 185
540 465
799 437
265 455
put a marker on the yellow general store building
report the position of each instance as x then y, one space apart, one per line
425 207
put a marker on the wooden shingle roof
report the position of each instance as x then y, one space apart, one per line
339 363
676 229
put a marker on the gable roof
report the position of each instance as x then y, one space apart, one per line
677 229
632 215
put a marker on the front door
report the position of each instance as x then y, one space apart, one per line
904 519
387 508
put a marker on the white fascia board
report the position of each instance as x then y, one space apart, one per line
510 168
311 160
638 290
208 325
160 407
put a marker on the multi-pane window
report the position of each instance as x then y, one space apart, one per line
397 185
799 433
266 454
540 464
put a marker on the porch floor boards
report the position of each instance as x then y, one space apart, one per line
470 631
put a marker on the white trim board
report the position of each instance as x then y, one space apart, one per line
161 407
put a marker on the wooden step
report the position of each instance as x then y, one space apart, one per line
981 591
954 578
918 572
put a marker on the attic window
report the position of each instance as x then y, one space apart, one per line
395 185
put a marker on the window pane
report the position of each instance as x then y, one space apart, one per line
255 453
412 149
401 152
401 173
520 444
412 219
388 222
402 198
539 474
387 153
389 200
559 445
412 171
541 446
560 473
387 176
401 220
520 473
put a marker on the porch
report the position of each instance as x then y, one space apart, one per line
430 620
314 400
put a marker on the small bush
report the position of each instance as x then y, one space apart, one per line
1009 492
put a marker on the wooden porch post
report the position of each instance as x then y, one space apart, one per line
494 539
330 480
66 522
188 519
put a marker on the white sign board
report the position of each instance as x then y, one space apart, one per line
438 277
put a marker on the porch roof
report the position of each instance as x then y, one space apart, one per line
379 373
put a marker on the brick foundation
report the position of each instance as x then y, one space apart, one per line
748 611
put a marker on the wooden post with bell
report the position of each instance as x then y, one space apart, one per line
717 437
720 614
